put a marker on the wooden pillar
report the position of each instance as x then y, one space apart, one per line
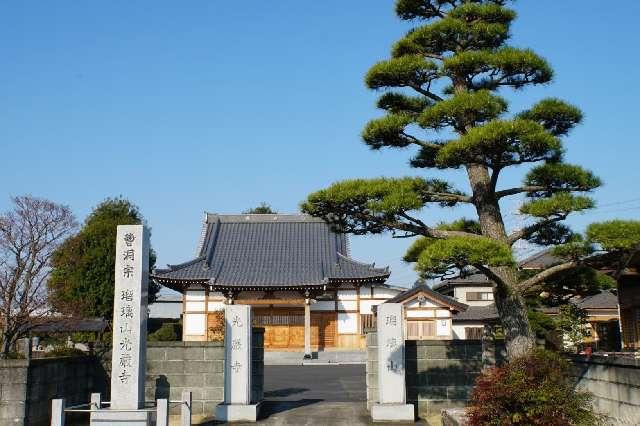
307 326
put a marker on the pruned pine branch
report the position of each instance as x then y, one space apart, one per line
529 230
426 93
540 277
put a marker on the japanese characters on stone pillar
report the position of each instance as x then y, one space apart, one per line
391 381
130 317
237 376
238 354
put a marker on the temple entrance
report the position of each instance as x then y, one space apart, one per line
284 328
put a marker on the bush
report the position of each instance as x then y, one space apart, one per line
168 332
531 390
61 351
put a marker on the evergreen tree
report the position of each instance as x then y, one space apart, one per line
83 276
441 98
262 208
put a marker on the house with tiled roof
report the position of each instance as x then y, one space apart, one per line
295 272
433 315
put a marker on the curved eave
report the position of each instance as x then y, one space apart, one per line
361 280
180 285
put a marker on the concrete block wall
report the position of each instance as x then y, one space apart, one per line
13 390
614 383
27 387
176 366
199 367
438 373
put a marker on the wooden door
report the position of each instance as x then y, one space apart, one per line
283 327
323 329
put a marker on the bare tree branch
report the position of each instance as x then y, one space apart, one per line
29 235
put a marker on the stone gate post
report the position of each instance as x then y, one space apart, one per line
392 405
237 374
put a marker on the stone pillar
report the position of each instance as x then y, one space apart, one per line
392 405
128 361
307 329
237 375
488 347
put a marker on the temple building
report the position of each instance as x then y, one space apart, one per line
295 272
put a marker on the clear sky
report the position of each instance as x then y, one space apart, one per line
184 107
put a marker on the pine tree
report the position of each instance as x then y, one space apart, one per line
441 98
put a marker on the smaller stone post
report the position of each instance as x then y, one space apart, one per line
185 410
392 406
488 347
57 412
237 373
96 401
27 348
162 412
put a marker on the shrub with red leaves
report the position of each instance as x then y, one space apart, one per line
531 390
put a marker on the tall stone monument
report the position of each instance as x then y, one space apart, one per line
128 360
237 376
392 405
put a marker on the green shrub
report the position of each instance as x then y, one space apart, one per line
15 355
168 332
61 351
531 390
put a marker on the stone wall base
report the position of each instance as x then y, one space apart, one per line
237 412
120 418
392 413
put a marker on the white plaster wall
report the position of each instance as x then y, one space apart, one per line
460 293
347 323
216 306
421 314
194 306
347 305
194 295
367 305
443 327
387 293
443 313
216 295
365 292
458 329
195 324
347 295
415 303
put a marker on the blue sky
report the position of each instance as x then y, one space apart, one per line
184 107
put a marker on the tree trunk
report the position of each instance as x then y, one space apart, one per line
519 338
510 305
6 346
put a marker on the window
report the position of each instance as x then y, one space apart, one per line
473 333
421 330
475 296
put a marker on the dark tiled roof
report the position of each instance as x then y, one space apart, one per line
602 300
446 300
96 325
269 250
472 278
477 313
541 260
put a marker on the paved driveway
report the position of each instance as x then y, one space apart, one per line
331 383
318 395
